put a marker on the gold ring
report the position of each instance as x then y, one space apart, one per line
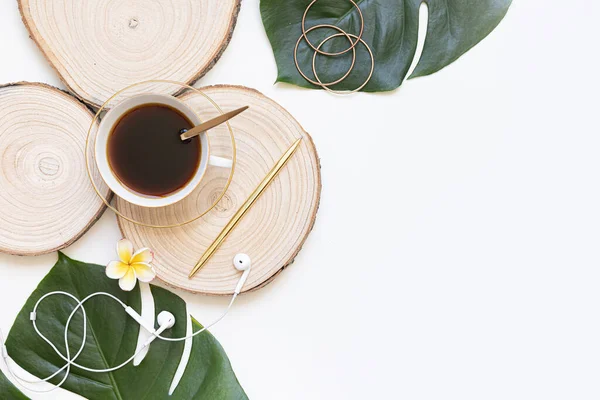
345 91
298 65
353 44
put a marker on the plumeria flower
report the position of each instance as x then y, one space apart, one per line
131 266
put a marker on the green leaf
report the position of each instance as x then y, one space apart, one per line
9 391
112 338
391 30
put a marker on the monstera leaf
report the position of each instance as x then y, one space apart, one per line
9 391
112 338
391 30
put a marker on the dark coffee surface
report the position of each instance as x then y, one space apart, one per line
146 153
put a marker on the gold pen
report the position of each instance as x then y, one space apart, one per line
245 207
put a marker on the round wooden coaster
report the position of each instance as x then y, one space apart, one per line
99 47
46 199
271 233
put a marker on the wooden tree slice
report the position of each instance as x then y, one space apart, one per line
272 232
46 199
99 47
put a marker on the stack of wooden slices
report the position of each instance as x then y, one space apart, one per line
98 48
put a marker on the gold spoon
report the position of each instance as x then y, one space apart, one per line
197 130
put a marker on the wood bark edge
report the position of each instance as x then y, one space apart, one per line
39 41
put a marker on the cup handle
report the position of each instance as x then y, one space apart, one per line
220 162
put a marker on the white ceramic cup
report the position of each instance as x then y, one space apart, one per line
107 124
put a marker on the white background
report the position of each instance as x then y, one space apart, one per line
455 254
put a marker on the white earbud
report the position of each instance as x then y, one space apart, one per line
165 320
242 262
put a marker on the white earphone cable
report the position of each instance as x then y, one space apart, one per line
203 328
70 361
